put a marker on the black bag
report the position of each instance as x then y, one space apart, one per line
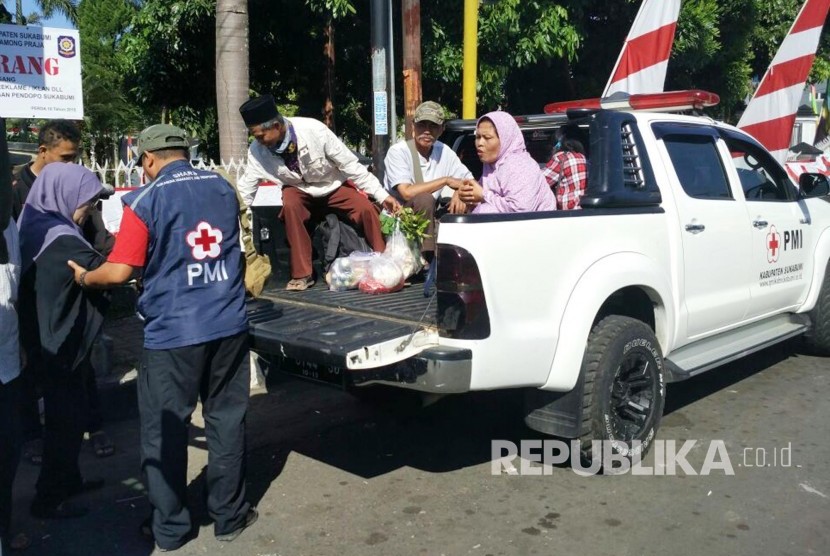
334 238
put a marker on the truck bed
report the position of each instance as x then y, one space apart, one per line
407 306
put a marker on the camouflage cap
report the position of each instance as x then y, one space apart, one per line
429 111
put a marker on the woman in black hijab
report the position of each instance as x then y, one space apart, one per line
60 324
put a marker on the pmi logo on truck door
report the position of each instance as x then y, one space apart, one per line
773 245
793 239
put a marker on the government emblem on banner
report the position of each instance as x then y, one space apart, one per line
66 46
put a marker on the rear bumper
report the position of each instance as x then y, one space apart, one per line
438 370
317 344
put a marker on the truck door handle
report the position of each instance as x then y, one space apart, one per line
760 224
695 228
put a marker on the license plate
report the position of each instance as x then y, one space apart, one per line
329 374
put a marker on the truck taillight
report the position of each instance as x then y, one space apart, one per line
462 308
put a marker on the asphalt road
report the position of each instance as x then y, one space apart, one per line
332 475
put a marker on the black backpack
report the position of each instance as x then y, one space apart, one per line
334 238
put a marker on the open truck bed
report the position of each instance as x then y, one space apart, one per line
352 338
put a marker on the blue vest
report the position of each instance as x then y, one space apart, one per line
193 277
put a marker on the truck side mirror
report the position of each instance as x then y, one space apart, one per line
814 185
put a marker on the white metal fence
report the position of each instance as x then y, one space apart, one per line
131 175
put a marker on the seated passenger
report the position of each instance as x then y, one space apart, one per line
441 172
567 170
313 167
512 180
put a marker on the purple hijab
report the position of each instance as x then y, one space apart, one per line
514 182
55 196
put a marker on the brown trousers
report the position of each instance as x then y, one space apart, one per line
299 209
426 203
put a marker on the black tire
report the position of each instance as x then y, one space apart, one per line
818 337
624 387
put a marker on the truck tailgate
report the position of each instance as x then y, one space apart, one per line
321 334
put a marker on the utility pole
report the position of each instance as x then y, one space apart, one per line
411 60
468 109
393 101
380 83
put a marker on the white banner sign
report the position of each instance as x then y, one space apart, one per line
40 73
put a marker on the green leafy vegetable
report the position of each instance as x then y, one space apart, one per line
412 224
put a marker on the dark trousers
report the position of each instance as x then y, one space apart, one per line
64 403
10 442
170 382
30 413
299 208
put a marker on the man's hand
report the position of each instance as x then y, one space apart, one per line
454 183
391 204
78 269
457 206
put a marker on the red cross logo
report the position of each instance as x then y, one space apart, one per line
773 242
205 241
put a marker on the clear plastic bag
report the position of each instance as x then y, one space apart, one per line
404 253
384 276
347 272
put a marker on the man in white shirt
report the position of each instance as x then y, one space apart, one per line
441 170
312 165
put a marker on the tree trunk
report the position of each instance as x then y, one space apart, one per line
231 76
328 53
411 60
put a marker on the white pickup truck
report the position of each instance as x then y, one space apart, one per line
693 248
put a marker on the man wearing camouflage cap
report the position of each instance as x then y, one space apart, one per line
435 177
181 232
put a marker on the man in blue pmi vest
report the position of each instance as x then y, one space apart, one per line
181 231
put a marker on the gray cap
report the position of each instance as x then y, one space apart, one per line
161 136
429 111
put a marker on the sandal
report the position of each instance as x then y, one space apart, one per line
33 451
299 284
102 444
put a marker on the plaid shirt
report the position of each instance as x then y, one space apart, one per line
567 173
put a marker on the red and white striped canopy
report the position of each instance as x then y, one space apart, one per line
770 115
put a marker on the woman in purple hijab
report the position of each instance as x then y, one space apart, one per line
511 180
59 324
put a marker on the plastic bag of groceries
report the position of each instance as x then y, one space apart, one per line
384 276
347 272
403 252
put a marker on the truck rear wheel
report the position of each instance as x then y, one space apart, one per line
818 338
624 391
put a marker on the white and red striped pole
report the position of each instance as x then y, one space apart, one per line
770 115
641 67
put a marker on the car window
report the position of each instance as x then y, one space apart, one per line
539 143
762 179
698 166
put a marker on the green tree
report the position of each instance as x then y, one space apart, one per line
513 35
48 8
170 65
109 112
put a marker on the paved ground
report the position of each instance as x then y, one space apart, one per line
331 475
